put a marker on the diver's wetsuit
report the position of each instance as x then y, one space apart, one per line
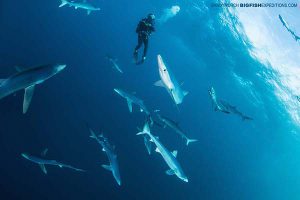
144 30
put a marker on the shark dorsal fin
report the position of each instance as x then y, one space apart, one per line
174 153
44 153
19 68
1 81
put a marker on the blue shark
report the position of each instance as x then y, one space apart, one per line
286 25
131 99
175 126
225 107
114 63
234 110
83 5
169 82
112 157
170 158
27 79
42 162
147 142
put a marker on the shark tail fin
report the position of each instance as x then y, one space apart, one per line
63 3
93 134
146 130
188 141
140 133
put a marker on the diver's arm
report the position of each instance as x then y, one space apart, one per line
153 28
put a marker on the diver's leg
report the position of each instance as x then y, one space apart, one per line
140 42
145 41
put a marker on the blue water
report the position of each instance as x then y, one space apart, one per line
233 159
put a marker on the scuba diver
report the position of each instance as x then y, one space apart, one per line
144 30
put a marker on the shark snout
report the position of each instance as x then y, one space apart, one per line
119 182
60 67
118 91
24 155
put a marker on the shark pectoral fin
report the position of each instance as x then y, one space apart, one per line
170 172
159 83
89 12
107 167
185 93
129 103
174 153
188 141
63 3
43 168
60 166
148 145
27 98
157 150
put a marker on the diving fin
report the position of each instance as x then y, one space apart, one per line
135 56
